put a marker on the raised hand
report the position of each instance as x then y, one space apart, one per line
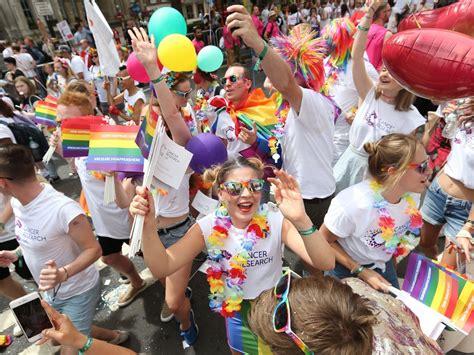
288 198
240 23
144 47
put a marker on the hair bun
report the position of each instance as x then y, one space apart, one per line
371 147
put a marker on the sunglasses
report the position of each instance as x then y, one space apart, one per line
232 78
420 168
120 78
184 94
282 312
235 188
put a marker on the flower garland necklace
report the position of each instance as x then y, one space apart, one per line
225 284
189 119
395 244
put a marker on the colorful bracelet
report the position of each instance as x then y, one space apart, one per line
261 56
356 271
308 232
157 80
86 346
362 28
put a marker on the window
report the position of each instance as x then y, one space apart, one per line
189 11
29 16
200 8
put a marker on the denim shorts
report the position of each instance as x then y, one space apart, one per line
80 308
390 274
440 208
171 235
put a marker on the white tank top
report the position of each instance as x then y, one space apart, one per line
176 202
460 164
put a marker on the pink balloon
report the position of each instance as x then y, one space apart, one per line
137 71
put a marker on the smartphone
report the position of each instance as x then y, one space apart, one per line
30 316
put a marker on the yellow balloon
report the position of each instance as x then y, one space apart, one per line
176 52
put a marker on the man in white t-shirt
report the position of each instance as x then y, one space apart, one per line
307 144
56 241
76 63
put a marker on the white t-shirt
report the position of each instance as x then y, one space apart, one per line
376 118
353 218
294 19
226 130
8 233
265 263
26 64
98 77
78 66
131 100
109 221
6 132
460 163
308 145
344 94
42 228
176 202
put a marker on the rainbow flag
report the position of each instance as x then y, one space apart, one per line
441 289
46 111
147 131
113 148
75 135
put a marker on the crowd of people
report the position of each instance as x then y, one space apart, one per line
338 181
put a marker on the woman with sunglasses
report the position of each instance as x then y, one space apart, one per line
449 200
386 108
243 240
98 78
369 223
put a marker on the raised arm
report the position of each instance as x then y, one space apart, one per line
163 262
276 69
145 50
362 80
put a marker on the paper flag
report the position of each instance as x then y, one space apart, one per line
75 134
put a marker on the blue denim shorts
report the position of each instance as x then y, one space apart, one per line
171 235
80 308
440 208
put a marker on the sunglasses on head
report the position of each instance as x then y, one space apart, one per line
282 312
235 188
420 168
232 78
185 94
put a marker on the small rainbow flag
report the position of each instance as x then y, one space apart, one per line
46 111
113 148
441 289
75 135
147 131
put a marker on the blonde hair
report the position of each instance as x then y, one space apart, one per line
327 315
218 174
402 101
394 150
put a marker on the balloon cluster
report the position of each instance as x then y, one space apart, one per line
176 52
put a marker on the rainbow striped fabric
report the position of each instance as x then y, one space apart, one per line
75 135
147 131
46 111
441 289
113 148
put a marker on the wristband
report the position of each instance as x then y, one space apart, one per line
261 56
308 232
67 274
86 346
157 80
357 270
19 255
362 28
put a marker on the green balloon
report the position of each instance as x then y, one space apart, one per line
210 59
166 21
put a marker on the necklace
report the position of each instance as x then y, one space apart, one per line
389 99
188 118
396 245
225 283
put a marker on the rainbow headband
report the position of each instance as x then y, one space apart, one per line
339 37
305 53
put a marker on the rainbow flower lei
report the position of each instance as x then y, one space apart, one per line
226 293
189 119
396 245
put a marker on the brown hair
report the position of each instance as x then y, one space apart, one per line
403 100
394 150
16 162
217 174
5 109
173 79
28 82
76 98
247 74
325 314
